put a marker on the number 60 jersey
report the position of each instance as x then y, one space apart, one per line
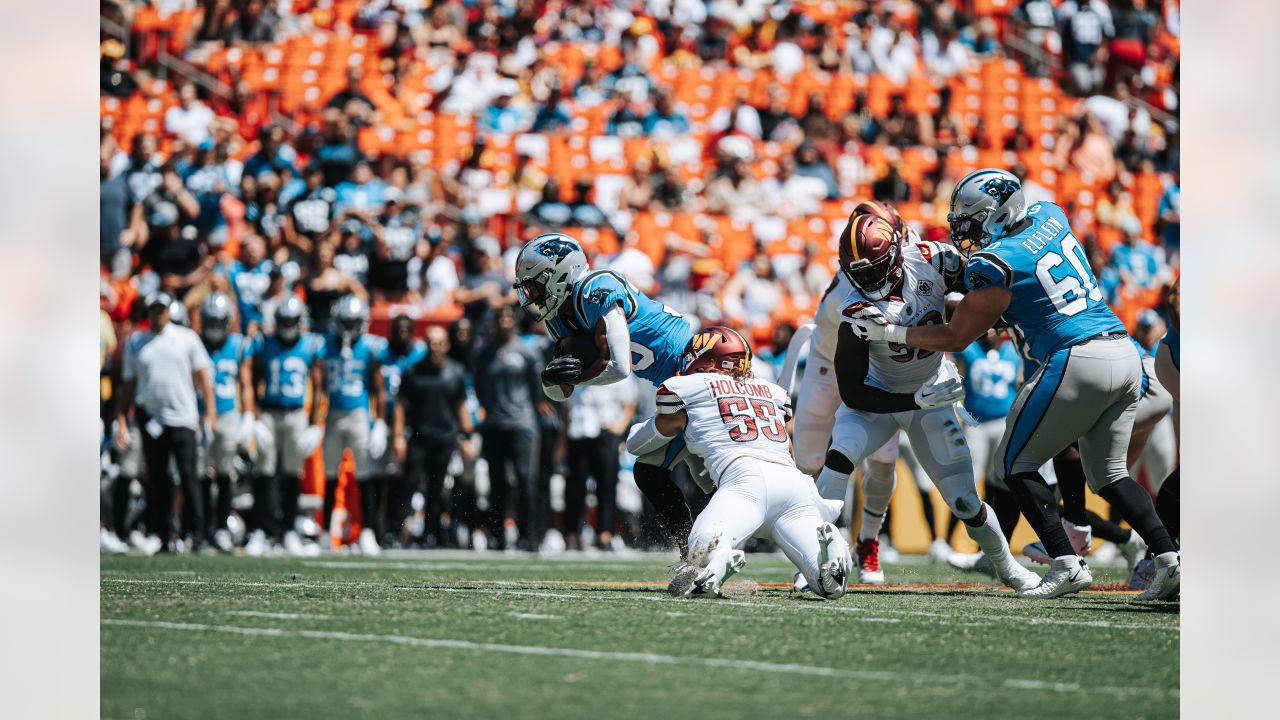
929 271
729 418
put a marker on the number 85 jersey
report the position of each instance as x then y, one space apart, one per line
1056 299
729 418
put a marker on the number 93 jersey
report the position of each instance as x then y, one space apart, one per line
930 270
730 418
1057 302
658 334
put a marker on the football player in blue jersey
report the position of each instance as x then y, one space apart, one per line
556 285
233 402
286 431
1025 266
353 377
399 353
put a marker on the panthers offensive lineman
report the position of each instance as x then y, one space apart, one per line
737 425
233 402
286 432
887 386
1027 267
555 285
353 376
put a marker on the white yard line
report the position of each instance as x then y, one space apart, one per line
637 657
533 565
533 616
277 615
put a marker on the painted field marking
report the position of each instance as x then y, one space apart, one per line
533 566
277 615
639 657
533 616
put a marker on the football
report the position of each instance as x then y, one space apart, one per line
580 345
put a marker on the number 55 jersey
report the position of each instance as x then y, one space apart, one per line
729 418
1057 302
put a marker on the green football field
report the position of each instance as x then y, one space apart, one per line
459 635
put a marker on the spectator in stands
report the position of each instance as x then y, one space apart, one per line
811 164
585 212
254 24
509 387
636 193
483 288
753 294
190 118
733 190
550 211
553 114
1116 209
891 186
120 221
325 284
665 120
274 153
338 154
1086 29
1137 262
1170 215
776 121
1086 147
308 216
628 120
503 116
791 195
815 123
434 276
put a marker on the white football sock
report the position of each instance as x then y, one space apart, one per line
878 483
990 538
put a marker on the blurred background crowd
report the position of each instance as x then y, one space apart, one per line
403 150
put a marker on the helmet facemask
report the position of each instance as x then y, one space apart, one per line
288 328
535 298
214 329
969 234
875 280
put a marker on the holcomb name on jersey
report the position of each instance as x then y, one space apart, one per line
930 270
730 418
658 334
1057 302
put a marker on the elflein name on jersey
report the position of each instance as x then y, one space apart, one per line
929 270
729 418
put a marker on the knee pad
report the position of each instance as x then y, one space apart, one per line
961 495
837 461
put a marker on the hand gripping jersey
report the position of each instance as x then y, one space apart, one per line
1057 302
930 269
990 380
730 418
347 371
226 372
658 334
393 366
828 317
286 369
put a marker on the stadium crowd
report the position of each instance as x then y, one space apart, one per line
402 151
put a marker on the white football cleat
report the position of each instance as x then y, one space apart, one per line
869 572
1168 577
1067 574
256 545
222 540
721 565
834 562
110 544
1133 550
1020 578
973 562
293 544
369 543
148 544
1080 536
888 553
940 550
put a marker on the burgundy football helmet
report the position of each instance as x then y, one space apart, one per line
884 211
717 349
871 255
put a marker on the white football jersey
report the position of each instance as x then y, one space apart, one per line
929 269
730 418
829 315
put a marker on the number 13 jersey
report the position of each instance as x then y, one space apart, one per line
930 271
730 418
1056 299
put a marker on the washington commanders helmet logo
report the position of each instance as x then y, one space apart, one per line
555 249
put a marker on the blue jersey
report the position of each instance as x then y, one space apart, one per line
349 371
659 335
990 380
286 369
1057 302
226 372
1174 341
393 366
250 285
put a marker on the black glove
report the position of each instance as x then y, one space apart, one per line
562 370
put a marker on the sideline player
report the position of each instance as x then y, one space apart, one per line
1026 266
286 433
401 352
885 387
642 337
233 402
353 376
737 425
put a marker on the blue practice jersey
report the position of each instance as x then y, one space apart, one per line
286 369
226 372
348 371
659 334
393 366
990 380
1057 302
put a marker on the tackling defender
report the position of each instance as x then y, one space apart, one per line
555 285
1027 267
886 386
737 425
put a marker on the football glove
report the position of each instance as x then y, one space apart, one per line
940 394
310 439
247 429
869 325
262 433
378 439
562 370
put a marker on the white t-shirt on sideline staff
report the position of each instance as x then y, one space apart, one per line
162 364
